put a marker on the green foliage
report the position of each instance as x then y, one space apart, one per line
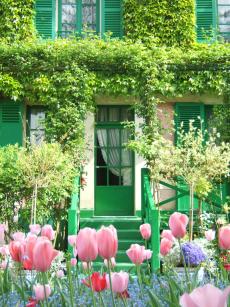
221 121
38 178
16 19
170 23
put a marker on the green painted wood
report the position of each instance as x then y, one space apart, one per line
151 216
45 18
206 19
74 212
111 19
11 122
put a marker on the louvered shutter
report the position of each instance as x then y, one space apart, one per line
11 123
45 18
184 113
205 19
112 17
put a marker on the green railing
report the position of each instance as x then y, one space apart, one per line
151 215
74 211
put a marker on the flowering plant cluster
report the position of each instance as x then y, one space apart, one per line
193 254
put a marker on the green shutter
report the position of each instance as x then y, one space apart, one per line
11 124
184 113
45 18
112 17
205 19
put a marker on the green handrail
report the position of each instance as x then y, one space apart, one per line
74 211
151 215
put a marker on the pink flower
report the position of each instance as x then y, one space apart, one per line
4 250
210 234
206 296
42 292
60 274
148 254
112 263
165 246
224 237
73 261
136 253
119 281
47 231
35 229
168 235
3 264
72 240
43 254
145 230
86 242
18 236
17 250
2 233
107 242
177 224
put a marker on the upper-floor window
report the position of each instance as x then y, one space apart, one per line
212 19
224 18
74 17
77 16
36 116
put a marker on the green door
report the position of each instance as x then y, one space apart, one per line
114 164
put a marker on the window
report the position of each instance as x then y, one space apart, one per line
70 17
212 19
77 16
224 18
36 125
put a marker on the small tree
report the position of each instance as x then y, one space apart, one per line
201 160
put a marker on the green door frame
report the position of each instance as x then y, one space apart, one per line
119 191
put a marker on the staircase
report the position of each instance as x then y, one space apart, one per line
127 231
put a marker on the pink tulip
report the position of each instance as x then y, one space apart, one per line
148 254
35 229
145 230
43 254
112 262
75 252
17 250
60 274
47 231
3 264
73 261
42 292
210 234
224 237
18 236
206 296
168 235
72 240
177 224
165 246
107 242
2 233
4 250
119 281
136 253
86 243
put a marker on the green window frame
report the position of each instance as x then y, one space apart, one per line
223 8
109 125
107 18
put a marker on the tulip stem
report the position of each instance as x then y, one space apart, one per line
44 286
90 283
139 279
101 299
185 267
22 284
70 283
110 282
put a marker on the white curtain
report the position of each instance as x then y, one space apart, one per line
114 153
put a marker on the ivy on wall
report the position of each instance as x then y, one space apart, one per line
16 18
163 22
65 75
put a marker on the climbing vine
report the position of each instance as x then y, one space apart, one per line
66 75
